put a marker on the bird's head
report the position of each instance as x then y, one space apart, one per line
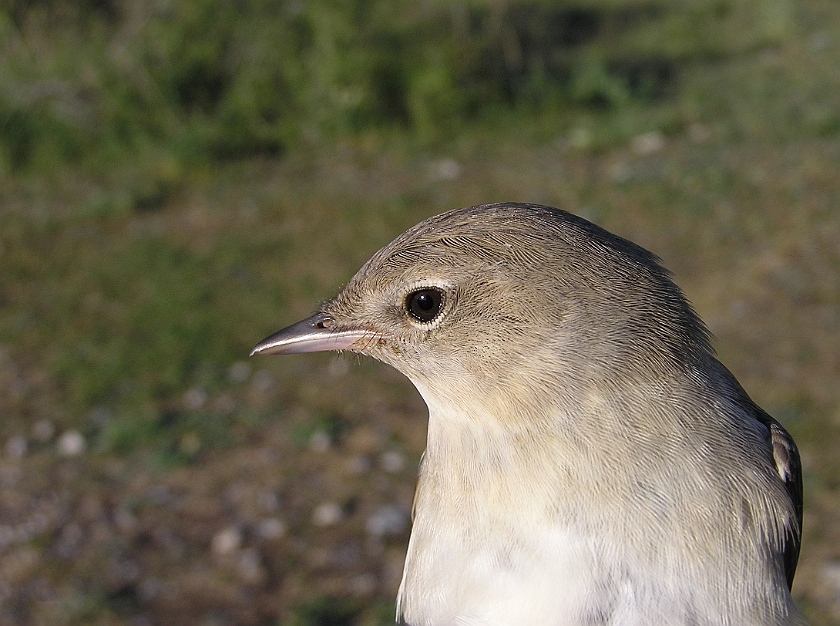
505 298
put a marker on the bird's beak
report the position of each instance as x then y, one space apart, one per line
318 333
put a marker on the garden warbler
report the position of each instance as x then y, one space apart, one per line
589 461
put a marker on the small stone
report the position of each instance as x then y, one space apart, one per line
338 367
262 381
71 443
101 415
19 565
359 464
620 173
165 539
699 133
227 541
69 541
16 446
150 588
249 566
320 441
236 494
122 571
580 138
392 462
43 430
269 501
225 403
195 398
327 514
363 585
819 42
239 372
831 574
271 528
648 143
448 169
9 476
124 521
386 520
159 495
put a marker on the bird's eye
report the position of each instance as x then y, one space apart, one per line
424 304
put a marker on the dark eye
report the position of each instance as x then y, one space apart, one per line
424 304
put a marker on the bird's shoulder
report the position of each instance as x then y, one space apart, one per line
789 467
785 458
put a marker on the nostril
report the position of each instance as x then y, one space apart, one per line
324 323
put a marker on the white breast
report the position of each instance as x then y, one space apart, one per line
451 581
482 550
507 534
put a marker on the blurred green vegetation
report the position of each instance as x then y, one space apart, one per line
162 85
179 179
123 107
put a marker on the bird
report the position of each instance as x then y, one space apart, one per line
589 461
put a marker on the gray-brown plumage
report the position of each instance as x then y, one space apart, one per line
589 461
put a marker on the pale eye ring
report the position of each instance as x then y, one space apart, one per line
424 305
